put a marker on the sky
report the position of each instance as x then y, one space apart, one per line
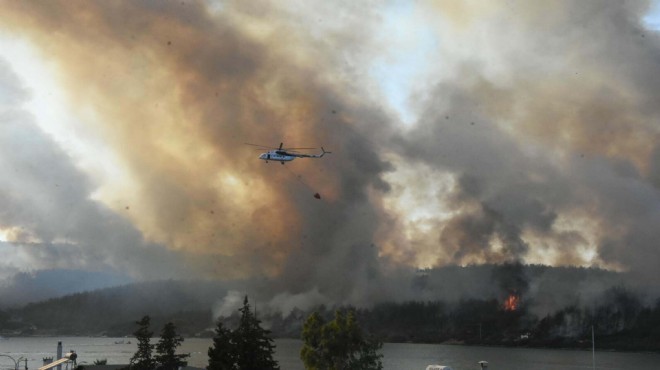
462 132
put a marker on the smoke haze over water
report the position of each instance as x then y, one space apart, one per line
534 139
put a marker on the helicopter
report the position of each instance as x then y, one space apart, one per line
286 154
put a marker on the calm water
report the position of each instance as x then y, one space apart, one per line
396 356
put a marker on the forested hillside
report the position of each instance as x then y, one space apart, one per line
112 311
500 305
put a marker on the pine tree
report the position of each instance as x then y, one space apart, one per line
249 347
142 359
221 355
166 356
253 346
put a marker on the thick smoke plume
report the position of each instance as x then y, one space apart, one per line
548 131
536 141
177 91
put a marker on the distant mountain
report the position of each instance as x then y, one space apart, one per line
28 287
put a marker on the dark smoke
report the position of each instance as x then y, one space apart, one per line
536 138
204 85
553 149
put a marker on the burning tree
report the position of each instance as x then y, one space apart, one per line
511 303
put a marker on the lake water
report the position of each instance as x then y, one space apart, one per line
397 356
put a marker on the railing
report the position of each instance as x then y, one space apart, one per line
16 362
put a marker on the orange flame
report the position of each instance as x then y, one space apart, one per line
511 303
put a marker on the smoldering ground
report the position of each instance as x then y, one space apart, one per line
537 119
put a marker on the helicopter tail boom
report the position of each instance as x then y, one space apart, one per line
323 152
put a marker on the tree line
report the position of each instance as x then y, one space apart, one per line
339 344
619 319
622 320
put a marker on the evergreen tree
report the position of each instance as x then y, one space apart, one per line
249 347
142 359
221 355
338 344
253 347
166 356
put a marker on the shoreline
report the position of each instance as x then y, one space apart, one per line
445 343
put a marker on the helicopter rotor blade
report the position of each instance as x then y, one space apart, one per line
261 146
280 147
